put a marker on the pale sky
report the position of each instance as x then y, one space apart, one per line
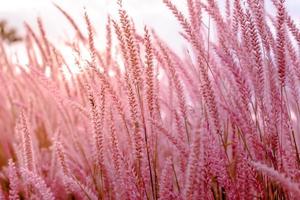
150 12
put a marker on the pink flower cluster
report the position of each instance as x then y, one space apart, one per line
141 121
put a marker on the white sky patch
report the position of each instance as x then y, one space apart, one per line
48 72
111 73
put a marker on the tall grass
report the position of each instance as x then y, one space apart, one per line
142 121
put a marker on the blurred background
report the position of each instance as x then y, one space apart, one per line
150 12
153 13
15 12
